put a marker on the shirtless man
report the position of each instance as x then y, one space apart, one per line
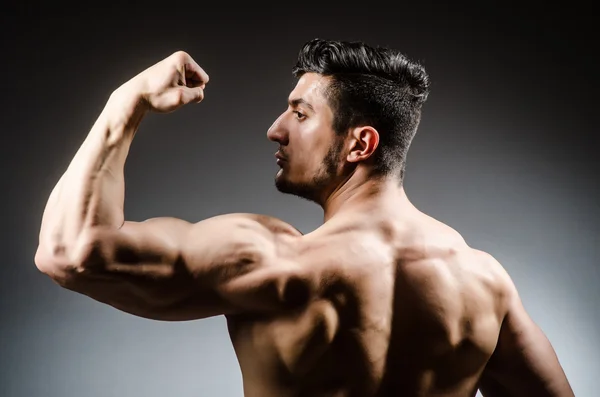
381 300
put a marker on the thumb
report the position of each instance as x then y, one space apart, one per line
192 94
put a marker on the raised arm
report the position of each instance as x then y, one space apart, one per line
524 363
162 268
169 269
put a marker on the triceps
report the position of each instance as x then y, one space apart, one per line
130 273
172 297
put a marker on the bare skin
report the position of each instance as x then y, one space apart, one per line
381 300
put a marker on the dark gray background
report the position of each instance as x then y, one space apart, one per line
505 154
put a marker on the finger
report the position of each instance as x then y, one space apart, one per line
194 74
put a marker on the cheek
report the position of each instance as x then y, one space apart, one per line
308 143
313 140
310 153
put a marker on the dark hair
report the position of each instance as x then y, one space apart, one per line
374 86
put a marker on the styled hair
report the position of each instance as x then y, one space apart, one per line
375 86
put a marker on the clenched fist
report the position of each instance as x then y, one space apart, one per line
171 83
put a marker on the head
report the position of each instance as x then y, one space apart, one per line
353 106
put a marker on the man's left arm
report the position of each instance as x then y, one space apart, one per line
89 196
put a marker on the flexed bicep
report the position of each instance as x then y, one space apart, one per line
170 269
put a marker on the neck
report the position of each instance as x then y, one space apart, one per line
360 189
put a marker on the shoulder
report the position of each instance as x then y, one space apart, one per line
246 221
237 228
244 240
246 258
452 266
497 281
502 280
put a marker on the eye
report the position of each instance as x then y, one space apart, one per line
299 115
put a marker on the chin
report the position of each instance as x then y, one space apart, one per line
282 183
307 191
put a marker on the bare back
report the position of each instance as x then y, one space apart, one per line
398 308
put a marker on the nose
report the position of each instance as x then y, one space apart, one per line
277 132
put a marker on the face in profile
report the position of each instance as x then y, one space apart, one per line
309 154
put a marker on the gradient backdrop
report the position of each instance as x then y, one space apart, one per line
505 154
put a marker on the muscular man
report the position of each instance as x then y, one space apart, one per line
381 300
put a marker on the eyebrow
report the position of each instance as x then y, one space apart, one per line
300 101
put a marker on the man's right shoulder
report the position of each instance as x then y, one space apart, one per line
499 279
437 270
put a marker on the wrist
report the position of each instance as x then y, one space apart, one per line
126 107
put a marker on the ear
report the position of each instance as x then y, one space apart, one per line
363 142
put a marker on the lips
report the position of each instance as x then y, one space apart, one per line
280 157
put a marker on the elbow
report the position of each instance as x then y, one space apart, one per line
42 261
63 263
55 265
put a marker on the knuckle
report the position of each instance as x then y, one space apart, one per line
180 55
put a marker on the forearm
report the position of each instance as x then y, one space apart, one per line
91 191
